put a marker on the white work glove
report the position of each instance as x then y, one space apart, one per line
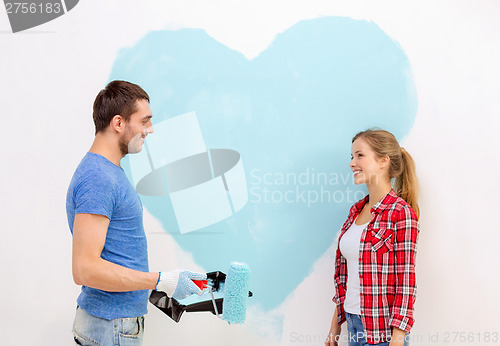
179 284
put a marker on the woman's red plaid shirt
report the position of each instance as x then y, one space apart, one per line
386 267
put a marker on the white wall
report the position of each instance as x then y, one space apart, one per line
51 74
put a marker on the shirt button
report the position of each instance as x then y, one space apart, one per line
362 312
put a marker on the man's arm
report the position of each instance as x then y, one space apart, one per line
89 269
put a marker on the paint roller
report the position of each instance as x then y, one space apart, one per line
224 295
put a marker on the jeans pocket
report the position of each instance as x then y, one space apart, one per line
84 341
132 327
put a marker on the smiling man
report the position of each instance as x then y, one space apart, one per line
110 258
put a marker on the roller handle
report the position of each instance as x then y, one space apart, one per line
202 284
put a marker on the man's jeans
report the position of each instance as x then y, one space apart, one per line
91 330
356 332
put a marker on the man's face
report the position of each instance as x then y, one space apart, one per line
136 129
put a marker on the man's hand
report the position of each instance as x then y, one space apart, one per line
179 284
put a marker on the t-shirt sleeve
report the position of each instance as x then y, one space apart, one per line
95 194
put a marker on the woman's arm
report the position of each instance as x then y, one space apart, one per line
405 249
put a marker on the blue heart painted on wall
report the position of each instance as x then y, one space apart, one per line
291 113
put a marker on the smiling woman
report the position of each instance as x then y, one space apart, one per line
375 285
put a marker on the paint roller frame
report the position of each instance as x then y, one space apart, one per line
172 308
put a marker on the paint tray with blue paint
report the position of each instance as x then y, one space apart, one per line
212 299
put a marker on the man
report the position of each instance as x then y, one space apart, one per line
104 212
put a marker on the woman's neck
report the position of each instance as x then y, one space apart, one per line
377 192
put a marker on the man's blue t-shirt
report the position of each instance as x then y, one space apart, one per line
100 187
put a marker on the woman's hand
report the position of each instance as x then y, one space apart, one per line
334 332
333 336
398 337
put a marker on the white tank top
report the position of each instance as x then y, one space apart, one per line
349 247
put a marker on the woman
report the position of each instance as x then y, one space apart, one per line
375 286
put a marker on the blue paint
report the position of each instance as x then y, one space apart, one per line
292 110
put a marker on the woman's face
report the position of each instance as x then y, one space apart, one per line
366 166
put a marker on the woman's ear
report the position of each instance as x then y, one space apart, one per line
384 161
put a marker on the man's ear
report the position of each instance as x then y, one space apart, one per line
117 123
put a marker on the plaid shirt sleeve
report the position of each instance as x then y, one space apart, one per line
405 248
340 282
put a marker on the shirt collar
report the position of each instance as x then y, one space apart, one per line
385 202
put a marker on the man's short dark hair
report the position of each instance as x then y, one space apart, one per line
118 98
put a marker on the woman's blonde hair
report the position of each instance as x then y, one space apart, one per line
402 166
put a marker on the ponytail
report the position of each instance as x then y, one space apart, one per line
406 184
